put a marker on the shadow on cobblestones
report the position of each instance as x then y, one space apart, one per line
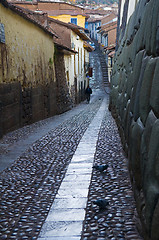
118 221
29 186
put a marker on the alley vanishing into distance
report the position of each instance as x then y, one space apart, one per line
48 186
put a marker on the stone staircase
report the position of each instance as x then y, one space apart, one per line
104 69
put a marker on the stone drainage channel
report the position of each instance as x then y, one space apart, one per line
48 192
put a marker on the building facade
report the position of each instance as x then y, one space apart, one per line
27 73
38 66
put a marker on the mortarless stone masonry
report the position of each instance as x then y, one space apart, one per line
134 102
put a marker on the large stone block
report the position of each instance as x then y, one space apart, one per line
144 98
115 79
154 98
132 53
151 200
128 120
126 59
135 78
114 96
154 226
147 21
141 19
137 107
124 111
136 112
145 145
155 23
121 104
151 180
130 84
152 170
122 80
136 132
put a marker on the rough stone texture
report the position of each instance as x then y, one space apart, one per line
154 227
10 98
19 106
64 101
134 102
27 75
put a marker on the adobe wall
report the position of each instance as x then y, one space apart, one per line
134 102
27 74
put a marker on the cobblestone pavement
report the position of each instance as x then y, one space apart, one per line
28 187
118 222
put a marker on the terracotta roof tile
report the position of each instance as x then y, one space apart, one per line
109 26
64 12
22 12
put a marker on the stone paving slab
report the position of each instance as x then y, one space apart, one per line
75 174
61 238
70 203
75 192
67 214
61 229
83 158
80 166
79 171
74 184
77 178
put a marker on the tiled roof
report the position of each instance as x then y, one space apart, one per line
65 12
21 12
41 20
47 5
108 17
108 27
96 12
93 19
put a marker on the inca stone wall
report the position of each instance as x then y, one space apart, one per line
21 106
64 101
134 102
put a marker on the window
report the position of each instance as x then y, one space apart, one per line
74 20
86 25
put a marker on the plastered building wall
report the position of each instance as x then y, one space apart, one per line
75 69
80 72
67 18
27 75
29 51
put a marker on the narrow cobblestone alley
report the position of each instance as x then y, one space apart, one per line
35 160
